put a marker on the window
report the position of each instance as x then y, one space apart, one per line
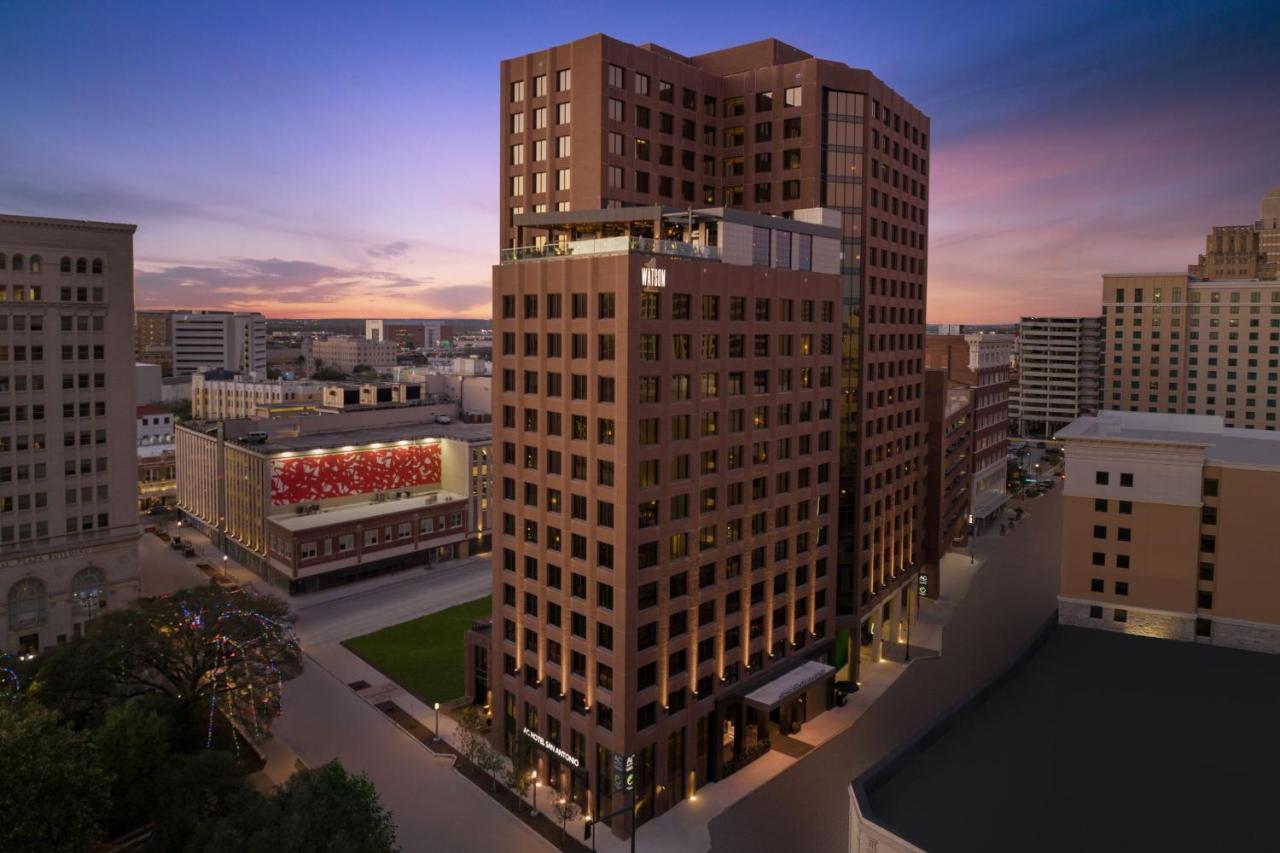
617 76
1101 478
1121 615
1126 480
791 97
562 80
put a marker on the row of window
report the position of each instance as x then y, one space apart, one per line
681 307
35 264
23 293
563 79
28 599
345 542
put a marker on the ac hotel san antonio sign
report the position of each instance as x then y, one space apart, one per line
652 277
566 757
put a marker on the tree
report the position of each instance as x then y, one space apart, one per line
56 787
134 742
490 761
325 810
565 811
329 374
519 775
199 650
199 789
471 734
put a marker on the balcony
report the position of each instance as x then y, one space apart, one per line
617 245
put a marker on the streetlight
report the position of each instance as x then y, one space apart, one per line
536 786
224 566
973 539
435 738
564 814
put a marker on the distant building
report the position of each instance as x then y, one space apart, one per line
345 353
313 502
1165 529
408 334
948 411
219 340
981 361
157 482
222 395
1204 342
153 339
1058 373
68 488
148 383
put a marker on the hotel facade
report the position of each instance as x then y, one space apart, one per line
666 480
767 128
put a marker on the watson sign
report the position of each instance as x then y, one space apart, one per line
652 277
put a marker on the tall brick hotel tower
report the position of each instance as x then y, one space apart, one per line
709 333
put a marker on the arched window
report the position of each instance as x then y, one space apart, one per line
36 263
65 264
3 261
28 604
89 591
97 266
17 263
82 265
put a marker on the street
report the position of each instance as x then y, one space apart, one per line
339 614
807 806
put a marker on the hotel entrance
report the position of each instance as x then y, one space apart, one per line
769 716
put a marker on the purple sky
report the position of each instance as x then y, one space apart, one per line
339 159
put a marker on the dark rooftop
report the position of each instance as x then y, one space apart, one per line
1099 741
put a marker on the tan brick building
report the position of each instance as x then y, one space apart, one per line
666 477
1204 342
764 127
1165 529
948 408
68 434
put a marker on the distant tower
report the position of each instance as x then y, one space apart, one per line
1269 227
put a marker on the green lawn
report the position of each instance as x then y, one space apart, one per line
423 655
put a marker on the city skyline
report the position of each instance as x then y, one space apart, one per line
290 165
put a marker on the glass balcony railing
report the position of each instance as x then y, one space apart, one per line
611 246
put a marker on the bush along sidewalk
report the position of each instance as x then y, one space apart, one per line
505 780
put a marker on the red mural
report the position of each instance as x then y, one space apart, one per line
333 475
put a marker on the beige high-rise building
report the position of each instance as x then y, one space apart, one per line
1165 529
1204 342
68 435
1058 373
345 353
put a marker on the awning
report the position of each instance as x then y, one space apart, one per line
989 503
788 685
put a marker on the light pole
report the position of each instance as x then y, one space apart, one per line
563 803
536 786
973 539
224 566
435 738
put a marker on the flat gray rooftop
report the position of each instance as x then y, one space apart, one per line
386 434
1101 741
1221 444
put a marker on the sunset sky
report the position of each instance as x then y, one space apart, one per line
313 160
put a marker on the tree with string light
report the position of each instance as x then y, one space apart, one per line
204 652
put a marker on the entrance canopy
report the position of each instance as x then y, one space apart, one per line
788 685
